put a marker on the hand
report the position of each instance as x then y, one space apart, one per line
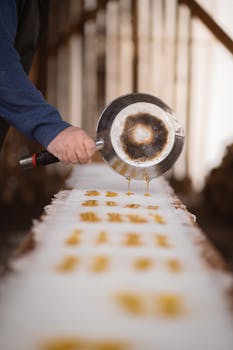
72 145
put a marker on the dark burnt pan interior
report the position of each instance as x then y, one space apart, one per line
150 149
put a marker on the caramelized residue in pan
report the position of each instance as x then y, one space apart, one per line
116 164
123 170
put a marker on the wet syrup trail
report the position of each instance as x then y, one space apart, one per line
147 180
129 193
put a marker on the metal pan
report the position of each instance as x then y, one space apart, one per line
141 137
137 135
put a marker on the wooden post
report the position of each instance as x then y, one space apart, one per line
112 51
135 44
89 68
75 65
189 94
126 48
101 54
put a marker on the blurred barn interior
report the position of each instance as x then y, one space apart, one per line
94 51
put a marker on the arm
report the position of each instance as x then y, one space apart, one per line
24 107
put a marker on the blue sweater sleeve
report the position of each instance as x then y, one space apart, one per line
21 104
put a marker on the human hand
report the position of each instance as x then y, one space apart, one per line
72 145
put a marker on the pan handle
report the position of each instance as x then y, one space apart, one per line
99 144
46 158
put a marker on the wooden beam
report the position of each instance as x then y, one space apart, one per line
189 96
198 12
72 29
101 54
135 44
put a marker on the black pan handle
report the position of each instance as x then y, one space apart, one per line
46 158
37 159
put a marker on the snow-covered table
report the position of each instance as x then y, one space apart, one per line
112 271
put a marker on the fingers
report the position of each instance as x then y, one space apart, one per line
89 146
81 154
72 146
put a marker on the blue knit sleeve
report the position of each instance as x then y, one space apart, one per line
21 104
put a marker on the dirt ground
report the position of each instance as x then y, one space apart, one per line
16 221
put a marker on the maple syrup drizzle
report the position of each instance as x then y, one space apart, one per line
147 181
74 238
90 203
102 238
114 217
132 303
74 342
129 193
142 264
153 207
162 241
159 219
132 240
132 205
111 194
137 219
169 305
111 203
92 193
174 265
89 217
100 263
68 264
